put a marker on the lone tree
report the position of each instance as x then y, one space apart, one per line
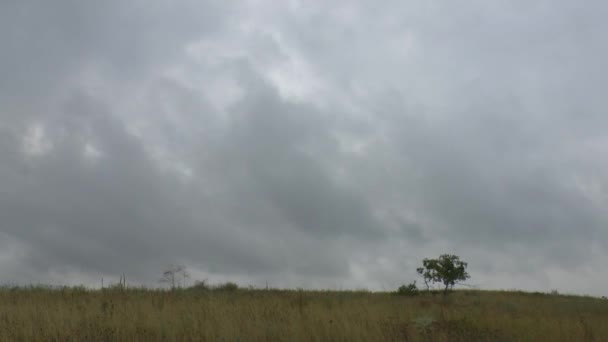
448 270
173 274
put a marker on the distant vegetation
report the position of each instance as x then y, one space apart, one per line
227 312
447 270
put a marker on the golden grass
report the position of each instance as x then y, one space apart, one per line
77 314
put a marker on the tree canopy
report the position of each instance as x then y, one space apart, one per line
448 270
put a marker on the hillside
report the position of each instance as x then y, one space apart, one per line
78 314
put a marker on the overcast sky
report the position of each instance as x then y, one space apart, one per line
329 144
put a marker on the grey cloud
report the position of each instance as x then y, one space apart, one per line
45 44
123 215
416 128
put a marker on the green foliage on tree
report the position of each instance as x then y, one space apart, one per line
448 270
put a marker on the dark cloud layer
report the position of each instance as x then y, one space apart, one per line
304 144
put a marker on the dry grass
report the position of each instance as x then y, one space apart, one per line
77 314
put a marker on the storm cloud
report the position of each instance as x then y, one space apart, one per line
304 144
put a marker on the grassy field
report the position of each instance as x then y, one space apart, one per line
78 314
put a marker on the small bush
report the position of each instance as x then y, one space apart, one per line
200 285
227 287
408 290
